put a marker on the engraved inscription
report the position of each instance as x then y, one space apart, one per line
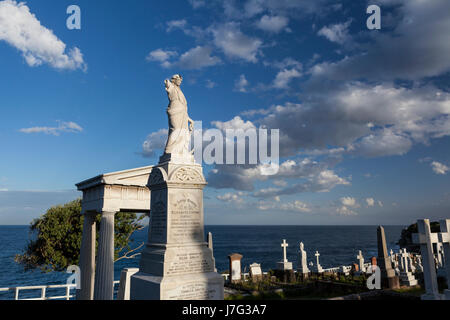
158 217
192 291
193 262
185 220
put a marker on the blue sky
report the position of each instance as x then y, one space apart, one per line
364 115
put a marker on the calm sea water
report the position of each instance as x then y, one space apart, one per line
337 245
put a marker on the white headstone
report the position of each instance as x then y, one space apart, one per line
255 271
361 262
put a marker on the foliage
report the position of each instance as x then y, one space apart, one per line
406 236
56 237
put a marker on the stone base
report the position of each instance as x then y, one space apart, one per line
408 279
428 296
203 286
177 158
284 266
286 276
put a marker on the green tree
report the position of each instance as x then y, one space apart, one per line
56 238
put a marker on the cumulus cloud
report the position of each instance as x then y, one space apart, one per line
424 51
439 168
272 24
359 119
195 58
294 206
176 24
38 45
229 38
232 197
337 32
70 126
241 84
284 77
161 56
155 141
347 206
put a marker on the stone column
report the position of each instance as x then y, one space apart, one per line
388 277
444 237
87 258
104 273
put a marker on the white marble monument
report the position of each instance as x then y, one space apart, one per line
444 237
406 275
318 267
256 271
285 264
360 258
176 263
302 266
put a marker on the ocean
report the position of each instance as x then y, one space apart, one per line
337 245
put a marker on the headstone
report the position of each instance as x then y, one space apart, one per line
285 264
388 277
235 267
176 263
444 237
418 264
373 261
318 268
124 285
426 239
355 267
406 275
302 266
256 272
361 261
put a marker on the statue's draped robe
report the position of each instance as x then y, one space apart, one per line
179 135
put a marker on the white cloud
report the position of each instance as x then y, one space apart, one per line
348 206
241 84
197 58
284 77
229 38
210 84
273 24
197 3
370 202
232 197
162 56
294 206
56 131
176 24
22 30
155 141
337 32
439 168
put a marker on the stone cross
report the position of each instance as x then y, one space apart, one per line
318 266
444 237
404 258
361 261
284 245
426 239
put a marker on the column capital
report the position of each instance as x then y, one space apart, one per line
108 213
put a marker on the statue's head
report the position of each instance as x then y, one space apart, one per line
176 79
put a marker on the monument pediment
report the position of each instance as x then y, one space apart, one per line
133 177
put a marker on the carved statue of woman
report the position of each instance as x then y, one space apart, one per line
180 125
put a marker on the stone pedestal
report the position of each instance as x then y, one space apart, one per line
176 263
284 265
408 279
